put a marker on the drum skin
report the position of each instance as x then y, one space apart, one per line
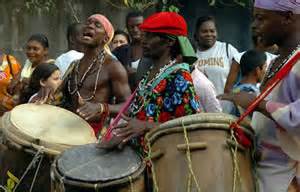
97 170
26 130
211 160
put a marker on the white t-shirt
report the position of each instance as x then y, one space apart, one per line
206 92
215 63
64 60
135 64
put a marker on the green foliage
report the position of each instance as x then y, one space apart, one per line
42 5
140 5
242 3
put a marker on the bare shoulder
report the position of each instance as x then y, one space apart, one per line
114 67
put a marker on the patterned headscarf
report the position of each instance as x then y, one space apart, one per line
279 5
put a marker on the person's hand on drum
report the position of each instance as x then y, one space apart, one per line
88 110
131 128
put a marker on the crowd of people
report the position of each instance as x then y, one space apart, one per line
169 78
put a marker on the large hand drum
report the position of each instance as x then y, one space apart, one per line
33 134
88 169
198 153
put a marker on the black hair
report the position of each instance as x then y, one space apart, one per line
73 29
200 21
251 60
41 38
121 32
133 14
42 72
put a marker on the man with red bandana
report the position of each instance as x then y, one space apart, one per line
166 91
97 77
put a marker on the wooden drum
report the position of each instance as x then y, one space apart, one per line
198 153
88 168
32 136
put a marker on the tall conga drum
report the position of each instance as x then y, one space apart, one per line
90 169
200 153
32 136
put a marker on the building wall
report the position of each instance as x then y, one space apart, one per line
17 23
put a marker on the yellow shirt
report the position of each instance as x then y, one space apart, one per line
6 76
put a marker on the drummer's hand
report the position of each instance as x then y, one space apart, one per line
242 99
131 129
87 110
44 95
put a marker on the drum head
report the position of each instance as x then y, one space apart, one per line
90 164
47 125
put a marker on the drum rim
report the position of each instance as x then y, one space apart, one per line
221 124
56 176
19 136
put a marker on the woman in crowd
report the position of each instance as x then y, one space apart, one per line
214 57
37 48
44 75
120 38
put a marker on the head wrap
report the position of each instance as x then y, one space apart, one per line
108 28
171 24
279 5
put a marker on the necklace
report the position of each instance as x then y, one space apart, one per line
79 83
145 86
272 72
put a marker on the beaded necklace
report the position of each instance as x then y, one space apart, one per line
270 73
79 82
145 87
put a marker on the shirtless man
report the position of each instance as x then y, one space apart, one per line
97 77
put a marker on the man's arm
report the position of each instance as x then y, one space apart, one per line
120 86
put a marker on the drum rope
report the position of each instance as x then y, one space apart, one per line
61 184
36 172
37 157
236 171
189 183
131 184
155 186
188 156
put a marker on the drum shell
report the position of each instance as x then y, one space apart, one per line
16 161
212 162
60 184
19 146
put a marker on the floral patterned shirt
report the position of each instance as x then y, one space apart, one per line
172 97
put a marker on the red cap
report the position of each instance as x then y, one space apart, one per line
165 22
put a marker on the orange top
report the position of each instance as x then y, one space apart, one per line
6 75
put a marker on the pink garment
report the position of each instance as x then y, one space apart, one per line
279 5
206 92
109 29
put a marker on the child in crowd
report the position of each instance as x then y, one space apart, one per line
253 67
44 75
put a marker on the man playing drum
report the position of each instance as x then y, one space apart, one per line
166 91
97 77
277 22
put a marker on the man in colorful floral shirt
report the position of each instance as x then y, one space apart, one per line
166 92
